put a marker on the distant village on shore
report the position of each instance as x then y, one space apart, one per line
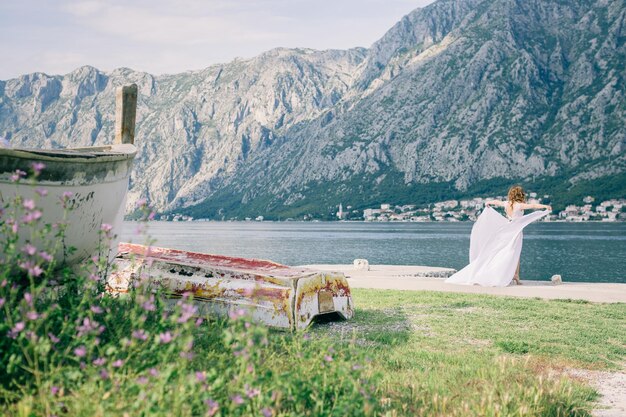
469 210
459 210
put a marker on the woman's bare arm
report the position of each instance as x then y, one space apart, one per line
525 206
497 203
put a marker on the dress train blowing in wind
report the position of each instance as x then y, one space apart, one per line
496 243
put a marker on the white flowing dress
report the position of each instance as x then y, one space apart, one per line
495 248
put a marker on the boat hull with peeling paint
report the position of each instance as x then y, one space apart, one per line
96 177
274 294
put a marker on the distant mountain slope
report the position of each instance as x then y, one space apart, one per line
457 97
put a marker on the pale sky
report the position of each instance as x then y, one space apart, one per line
161 36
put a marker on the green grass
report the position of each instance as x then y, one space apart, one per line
405 353
581 333
470 349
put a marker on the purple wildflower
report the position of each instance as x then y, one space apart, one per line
328 358
237 400
80 351
45 256
32 315
165 337
29 249
188 310
54 390
153 372
100 361
31 217
42 192
65 198
199 321
2 300
234 315
16 329
252 392
96 309
186 355
212 407
29 204
89 326
36 271
28 298
53 338
142 380
267 412
140 334
17 175
200 376
118 363
142 202
104 374
38 167
106 228
149 304
33 269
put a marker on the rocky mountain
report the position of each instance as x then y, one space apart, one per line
460 97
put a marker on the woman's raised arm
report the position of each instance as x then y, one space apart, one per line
525 206
497 203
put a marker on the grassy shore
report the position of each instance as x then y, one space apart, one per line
404 354
460 354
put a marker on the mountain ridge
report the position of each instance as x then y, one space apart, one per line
459 93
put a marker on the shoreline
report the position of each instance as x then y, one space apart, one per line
202 220
424 278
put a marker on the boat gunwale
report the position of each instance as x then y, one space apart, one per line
94 154
273 270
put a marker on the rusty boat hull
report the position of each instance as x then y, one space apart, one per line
276 295
96 177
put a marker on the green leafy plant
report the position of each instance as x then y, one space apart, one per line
70 348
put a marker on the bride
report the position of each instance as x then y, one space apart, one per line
496 242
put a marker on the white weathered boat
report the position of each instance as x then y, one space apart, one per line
91 181
274 294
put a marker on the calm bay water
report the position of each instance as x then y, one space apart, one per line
594 252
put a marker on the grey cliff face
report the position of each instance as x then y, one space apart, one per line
458 92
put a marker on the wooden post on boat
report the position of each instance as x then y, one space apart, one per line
125 111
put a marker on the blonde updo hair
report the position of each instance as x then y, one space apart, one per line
516 195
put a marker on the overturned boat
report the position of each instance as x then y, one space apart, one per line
82 188
274 294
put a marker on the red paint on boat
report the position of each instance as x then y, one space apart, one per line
204 259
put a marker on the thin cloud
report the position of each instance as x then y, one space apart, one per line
164 25
169 36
